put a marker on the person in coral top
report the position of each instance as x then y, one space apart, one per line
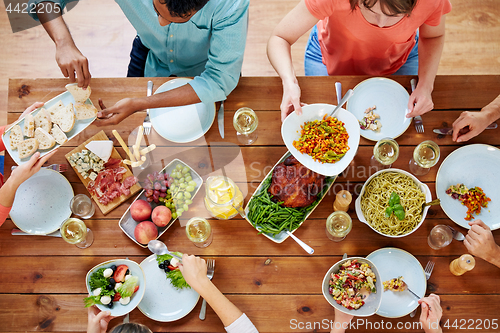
362 37
19 174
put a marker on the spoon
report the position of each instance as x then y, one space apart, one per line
457 235
338 89
159 248
306 247
344 99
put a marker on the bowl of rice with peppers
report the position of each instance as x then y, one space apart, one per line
321 143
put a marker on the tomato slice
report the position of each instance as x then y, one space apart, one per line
117 297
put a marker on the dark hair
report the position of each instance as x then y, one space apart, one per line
131 328
183 8
388 7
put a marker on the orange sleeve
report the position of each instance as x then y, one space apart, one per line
2 130
442 8
320 9
4 213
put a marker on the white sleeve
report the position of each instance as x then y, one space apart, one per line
241 325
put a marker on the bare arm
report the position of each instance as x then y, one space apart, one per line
70 60
296 23
430 47
183 95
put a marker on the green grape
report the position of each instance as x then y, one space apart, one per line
161 199
168 192
185 207
179 214
180 196
190 188
189 178
180 211
192 183
178 167
185 170
181 180
187 195
173 187
189 201
174 215
182 185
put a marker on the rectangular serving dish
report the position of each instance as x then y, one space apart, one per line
128 224
105 209
80 125
282 236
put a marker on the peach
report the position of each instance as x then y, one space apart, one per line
140 210
145 231
161 216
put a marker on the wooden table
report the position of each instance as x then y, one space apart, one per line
277 285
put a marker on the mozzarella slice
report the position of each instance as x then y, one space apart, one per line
174 262
101 148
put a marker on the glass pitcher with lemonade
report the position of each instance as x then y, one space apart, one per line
222 196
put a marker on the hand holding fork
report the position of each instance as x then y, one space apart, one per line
428 271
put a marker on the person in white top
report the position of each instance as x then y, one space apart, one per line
194 270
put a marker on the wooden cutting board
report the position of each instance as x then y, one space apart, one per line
105 209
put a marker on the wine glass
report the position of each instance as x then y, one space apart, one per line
74 231
245 123
199 231
385 152
338 225
425 156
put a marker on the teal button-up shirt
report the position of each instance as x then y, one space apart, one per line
209 46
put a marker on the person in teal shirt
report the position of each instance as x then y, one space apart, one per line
200 38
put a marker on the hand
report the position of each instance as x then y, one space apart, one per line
98 321
469 124
115 114
71 61
342 321
28 169
30 109
420 102
479 242
194 271
431 313
291 100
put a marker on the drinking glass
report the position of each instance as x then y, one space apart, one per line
74 231
81 205
245 123
425 156
439 237
199 231
338 225
385 152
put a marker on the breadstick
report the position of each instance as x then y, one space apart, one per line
148 149
124 146
138 140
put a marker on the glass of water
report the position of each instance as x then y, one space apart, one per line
439 237
82 206
245 123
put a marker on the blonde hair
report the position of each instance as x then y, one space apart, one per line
131 328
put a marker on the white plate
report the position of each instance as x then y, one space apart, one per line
135 270
423 187
392 263
42 202
391 100
162 302
290 131
185 123
472 165
80 125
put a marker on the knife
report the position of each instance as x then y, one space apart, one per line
220 119
17 232
449 130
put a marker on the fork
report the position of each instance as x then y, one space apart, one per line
210 275
147 123
428 271
55 167
419 125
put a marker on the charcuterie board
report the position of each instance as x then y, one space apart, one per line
105 209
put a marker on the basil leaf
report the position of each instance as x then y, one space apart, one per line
388 211
397 207
400 214
394 199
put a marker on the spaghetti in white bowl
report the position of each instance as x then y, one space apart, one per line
374 198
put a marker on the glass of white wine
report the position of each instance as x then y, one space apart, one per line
425 156
245 123
338 225
74 231
385 152
199 231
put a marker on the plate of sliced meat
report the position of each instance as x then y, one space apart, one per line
110 182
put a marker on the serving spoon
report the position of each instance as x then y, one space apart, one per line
344 99
431 203
159 248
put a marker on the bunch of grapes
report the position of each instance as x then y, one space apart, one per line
182 187
156 186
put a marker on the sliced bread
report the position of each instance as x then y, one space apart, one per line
45 140
79 94
27 148
65 118
29 126
42 119
85 111
15 136
58 134
55 108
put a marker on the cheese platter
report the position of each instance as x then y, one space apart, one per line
101 169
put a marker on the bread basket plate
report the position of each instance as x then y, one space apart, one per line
42 202
282 236
291 131
128 224
185 123
80 125
161 301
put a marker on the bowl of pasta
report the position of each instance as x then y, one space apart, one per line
391 201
